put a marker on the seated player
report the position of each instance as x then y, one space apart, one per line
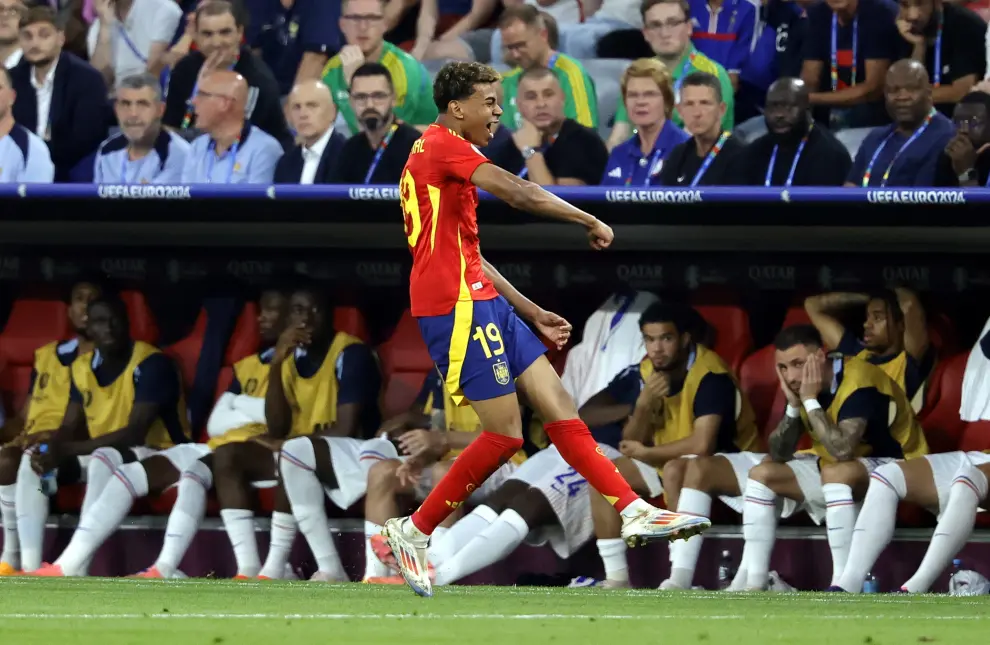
895 335
428 455
125 403
40 417
154 474
858 419
544 500
952 485
329 386
681 400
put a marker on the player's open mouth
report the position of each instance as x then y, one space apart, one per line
491 128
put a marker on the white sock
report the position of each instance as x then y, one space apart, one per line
129 482
613 555
684 558
490 546
307 496
8 515
874 527
840 520
239 524
759 530
635 508
373 568
32 511
953 529
102 463
466 528
186 516
283 534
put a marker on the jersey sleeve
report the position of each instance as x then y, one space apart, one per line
848 344
156 381
459 159
625 387
862 404
357 376
716 395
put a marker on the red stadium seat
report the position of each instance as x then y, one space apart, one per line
759 383
733 339
941 421
796 316
405 362
143 325
975 437
32 324
224 379
350 320
244 340
186 352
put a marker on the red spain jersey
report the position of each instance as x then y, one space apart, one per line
439 204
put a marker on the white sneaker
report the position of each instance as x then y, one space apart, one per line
654 524
324 576
670 585
409 545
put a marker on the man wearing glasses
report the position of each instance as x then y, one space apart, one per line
363 24
378 154
10 44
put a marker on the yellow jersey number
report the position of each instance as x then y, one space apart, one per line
494 337
410 209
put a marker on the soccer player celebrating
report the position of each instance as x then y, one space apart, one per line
467 316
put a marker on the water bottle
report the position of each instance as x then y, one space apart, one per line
870 584
957 566
48 484
725 572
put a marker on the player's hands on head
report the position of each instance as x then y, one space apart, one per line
631 449
556 329
289 340
793 399
811 379
600 235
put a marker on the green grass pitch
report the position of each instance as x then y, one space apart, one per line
193 612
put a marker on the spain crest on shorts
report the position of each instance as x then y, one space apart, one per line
501 369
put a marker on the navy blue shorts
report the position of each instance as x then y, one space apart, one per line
480 348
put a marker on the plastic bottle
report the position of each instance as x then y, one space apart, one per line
870 585
725 572
48 484
957 567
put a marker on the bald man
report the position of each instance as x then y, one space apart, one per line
231 150
906 152
792 152
311 113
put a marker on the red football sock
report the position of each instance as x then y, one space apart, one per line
579 449
471 468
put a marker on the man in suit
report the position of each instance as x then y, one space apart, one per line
312 114
59 96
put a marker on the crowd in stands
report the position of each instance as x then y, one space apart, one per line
654 92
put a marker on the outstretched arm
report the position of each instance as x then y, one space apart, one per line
527 196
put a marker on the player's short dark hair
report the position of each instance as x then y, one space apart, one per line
662 312
649 4
373 69
96 280
220 7
38 14
113 302
316 289
704 79
805 335
457 81
892 303
977 98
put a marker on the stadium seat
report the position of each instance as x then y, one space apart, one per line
405 362
186 352
350 320
244 340
733 340
31 324
796 316
758 381
143 325
224 380
941 421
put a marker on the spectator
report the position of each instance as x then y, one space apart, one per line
131 36
24 157
905 153
231 150
667 28
648 95
728 36
781 29
949 41
311 113
794 151
295 38
60 97
379 153
526 43
549 148
442 25
580 40
143 152
363 24
10 45
705 159
966 161
849 46
219 30
486 44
